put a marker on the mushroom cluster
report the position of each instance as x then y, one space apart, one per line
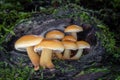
56 44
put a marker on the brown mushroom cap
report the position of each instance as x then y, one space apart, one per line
83 44
27 41
50 44
54 34
69 38
70 45
73 28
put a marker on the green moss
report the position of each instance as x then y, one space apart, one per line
8 21
107 39
93 70
13 73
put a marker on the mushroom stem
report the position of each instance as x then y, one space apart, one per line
66 54
58 54
78 55
34 57
74 34
46 58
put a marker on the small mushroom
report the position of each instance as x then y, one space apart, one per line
47 47
81 45
69 38
27 43
68 45
73 29
55 34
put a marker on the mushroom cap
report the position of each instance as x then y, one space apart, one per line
69 38
70 45
73 28
83 44
50 44
54 34
26 41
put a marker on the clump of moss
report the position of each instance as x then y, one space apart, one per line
106 37
8 20
7 72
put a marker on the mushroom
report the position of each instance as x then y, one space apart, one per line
69 38
68 45
55 34
47 46
73 29
81 45
27 43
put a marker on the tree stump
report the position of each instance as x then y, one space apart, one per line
40 25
